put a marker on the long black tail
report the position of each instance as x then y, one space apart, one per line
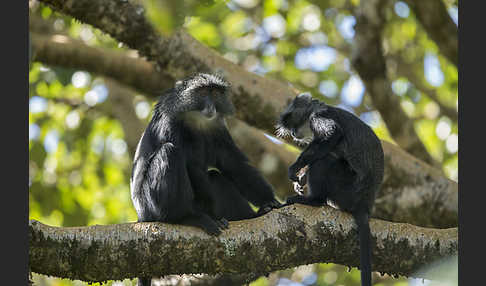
144 281
362 220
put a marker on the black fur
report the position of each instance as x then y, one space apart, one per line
345 160
186 137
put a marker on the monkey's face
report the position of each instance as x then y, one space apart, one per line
205 94
294 120
212 101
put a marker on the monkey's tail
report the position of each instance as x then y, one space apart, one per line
144 281
362 220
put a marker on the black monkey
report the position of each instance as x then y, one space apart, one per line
187 168
345 163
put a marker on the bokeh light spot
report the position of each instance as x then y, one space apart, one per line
80 79
275 25
353 91
401 9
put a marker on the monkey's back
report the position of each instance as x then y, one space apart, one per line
362 147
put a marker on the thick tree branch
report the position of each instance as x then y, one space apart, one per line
60 50
438 24
368 60
415 192
288 237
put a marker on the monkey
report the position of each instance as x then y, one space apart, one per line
345 163
187 168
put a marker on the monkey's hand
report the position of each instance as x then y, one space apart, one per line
267 207
295 199
293 170
222 223
303 176
298 188
305 201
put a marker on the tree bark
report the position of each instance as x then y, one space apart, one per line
291 236
415 192
126 67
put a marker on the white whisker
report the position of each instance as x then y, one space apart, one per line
281 131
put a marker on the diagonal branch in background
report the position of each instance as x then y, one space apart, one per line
291 236
60 50
415 192
436 21
409 185
413 74
368 60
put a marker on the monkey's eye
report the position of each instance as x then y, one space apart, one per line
204 92
217 92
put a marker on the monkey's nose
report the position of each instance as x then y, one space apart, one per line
209 111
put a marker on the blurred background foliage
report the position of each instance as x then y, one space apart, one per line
79 161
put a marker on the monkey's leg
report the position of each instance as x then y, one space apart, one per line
247 179
206 196
316 181
317 150
230 204
201 220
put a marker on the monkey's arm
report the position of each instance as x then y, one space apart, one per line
327 135
152 180
235 166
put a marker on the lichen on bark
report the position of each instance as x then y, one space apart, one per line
288 237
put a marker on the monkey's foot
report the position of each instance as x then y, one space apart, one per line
212 229
263 210
298 199
267 207
203 221
222 223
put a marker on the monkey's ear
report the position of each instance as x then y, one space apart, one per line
305 96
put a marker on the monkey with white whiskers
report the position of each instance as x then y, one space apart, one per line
345 163
187 168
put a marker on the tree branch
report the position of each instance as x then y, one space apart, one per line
415 192
288 237
369 62
440 28
60 50
408 71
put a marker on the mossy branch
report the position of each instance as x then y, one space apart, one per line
291 236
